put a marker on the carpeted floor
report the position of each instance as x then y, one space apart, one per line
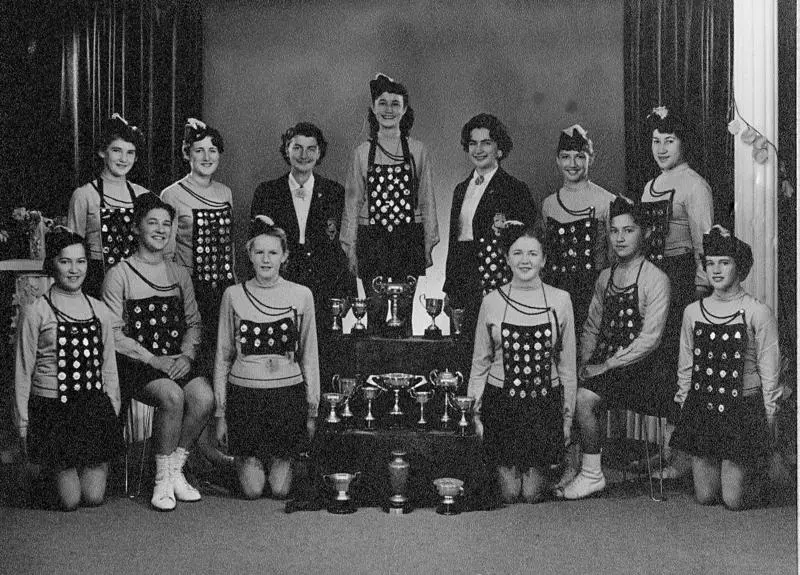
621 532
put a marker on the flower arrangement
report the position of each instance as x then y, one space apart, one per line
34 226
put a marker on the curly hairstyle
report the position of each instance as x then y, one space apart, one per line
55 241
117 128
195 130
497 132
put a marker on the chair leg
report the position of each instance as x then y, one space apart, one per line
147 426
660 440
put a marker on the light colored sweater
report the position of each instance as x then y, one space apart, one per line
266 371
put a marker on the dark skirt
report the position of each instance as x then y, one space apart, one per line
681 272
639 387
81 432
522 433
95 274
135 375
266 423
396 254
208 299
740 435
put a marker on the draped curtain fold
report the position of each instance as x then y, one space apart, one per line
679 53
142 59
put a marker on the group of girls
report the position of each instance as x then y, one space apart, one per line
558 334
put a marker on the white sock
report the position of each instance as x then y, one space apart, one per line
591 465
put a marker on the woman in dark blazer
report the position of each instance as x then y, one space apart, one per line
308 208
481 205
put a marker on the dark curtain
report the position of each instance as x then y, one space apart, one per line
73 64
679 53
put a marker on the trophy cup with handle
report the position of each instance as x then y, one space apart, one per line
434 307
359 306
370 393
464 403
340 482
394 290
333 400
421 397
347 387
396 382
338 311
449 488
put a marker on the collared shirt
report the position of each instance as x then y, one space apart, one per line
472 198
302 205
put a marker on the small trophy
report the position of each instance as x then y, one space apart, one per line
398 480
347 387
448 381
359 311
394 290
333 400
464 403
434 307
421 397
338 310
456 321
448 488
370 393
340 482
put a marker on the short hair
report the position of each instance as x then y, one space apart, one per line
668 120
117 128
378 85
622 205
514 230
497 132
146 203
720 242
195 130
55 241
308 130
264 226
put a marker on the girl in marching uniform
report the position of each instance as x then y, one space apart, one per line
523 369
66 388
389 226
727 379
680 206
577 218
624 328
201 239
157 336
101 211
266 375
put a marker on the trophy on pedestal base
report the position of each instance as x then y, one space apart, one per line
333 400
370 393
434 307
359 307
340 482
398 480
464 403
393 291
448 488
347 387
448 382
421 397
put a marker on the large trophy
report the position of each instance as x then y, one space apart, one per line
434 307
398 480
359 306
396 382
394 290
448 382
340 482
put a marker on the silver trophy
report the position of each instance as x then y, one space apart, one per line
394 290
340 482
464 403
370 393
347 387
433 306
456 315
448 382
396 382
338 311
333 400
421 397
449 488
359 306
